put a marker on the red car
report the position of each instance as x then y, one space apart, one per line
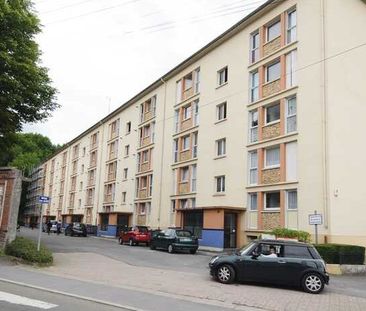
135 235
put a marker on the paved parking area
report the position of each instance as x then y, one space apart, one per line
184 275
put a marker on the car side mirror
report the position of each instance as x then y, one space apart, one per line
255 255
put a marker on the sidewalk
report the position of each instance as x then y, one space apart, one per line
193 287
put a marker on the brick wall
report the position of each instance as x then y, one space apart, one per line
10 192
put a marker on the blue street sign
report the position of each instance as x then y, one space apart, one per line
43 199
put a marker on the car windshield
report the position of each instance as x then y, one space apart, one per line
247 248
184 233
143 229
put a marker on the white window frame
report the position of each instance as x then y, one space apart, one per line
195 108
176 120
221 111
293 115
265 114
125 173
197 78
279 157
276 21
254 49
291 30
220 186
127 150
291 59
184 176
250 206
254 87
277 208
287 200
186 142
175 150
194 178
253 130
124 195
194 144
221 147
274 63
222 76
252 168
187 112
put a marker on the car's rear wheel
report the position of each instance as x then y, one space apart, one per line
193 251
312 283
130 242
225 274
170 249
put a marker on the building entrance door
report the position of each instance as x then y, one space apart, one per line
230 223
122 223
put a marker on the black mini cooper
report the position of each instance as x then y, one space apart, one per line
273 261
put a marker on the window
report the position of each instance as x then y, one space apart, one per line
143 182
125 173
291 69
291 161
220 184
193 203
222 76
128 127
291 26
293 251
173 206
253 126
185 143
145 156
253 168
272 158
272 113
81 186
197 80
84 152
221 111
291 110
187 112
175 150
273 30
195 113
183 203
273 71
272 200
254 86
150 184
221 147
193 222
291 199
254 47
123 197
176 121
253 202
194 178
194 145
127 150
184 174
79 203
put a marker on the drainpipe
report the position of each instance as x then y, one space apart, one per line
324 117
162 155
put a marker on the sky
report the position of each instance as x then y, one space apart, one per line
100 53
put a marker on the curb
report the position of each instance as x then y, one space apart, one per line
102 302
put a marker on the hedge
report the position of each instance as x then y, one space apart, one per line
301 236
342 254
26 249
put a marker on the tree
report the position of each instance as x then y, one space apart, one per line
29 150
26 94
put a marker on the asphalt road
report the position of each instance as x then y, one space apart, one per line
143 256
20 298
133 255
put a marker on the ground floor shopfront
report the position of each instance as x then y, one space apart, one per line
110 224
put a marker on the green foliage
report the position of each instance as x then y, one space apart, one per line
342 253
26 94
302 236
26 249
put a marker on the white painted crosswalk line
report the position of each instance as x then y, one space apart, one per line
20 300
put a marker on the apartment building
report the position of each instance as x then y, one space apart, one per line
251 133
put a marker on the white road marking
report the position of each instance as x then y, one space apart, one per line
20 300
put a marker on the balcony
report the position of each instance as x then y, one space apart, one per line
271 88
271 131
271 46
271 176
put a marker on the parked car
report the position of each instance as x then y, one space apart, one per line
135 235
274 262
53 228
76 228
175 239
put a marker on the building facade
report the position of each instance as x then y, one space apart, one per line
251 133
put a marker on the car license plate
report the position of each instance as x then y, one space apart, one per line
185 239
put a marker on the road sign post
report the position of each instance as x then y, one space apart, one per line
315 220
42 200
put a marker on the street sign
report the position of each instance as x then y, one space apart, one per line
315 219
43 199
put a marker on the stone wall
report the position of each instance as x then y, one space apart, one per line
271 176
271 88
271 131
271 220
271 46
